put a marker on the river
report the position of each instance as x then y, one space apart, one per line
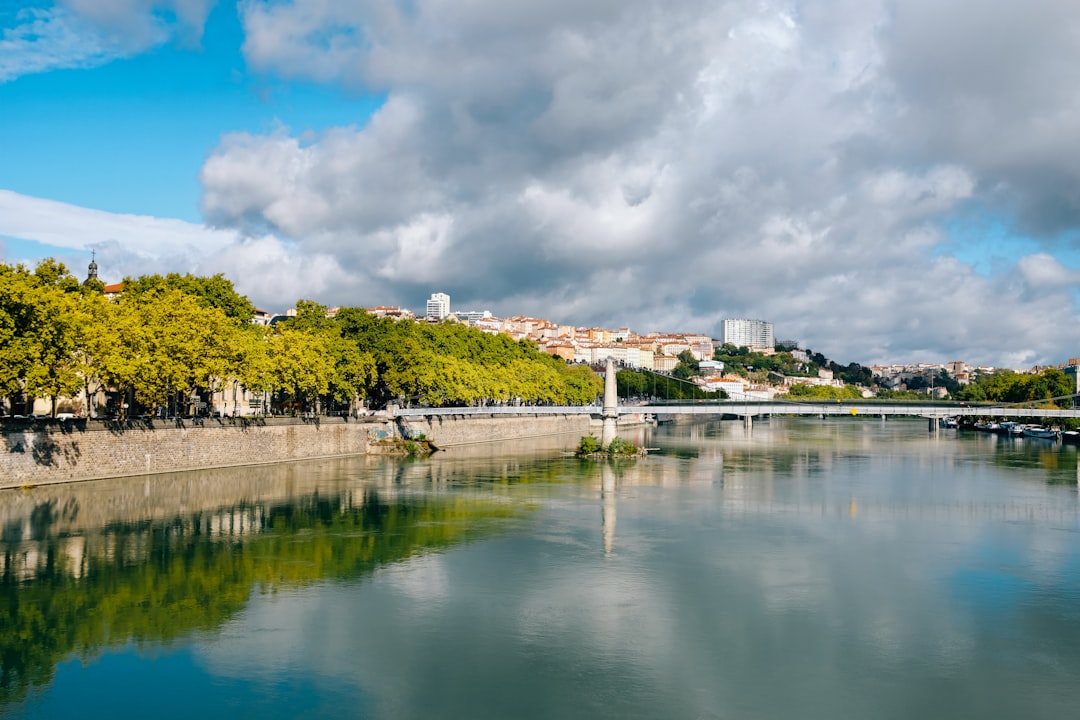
804 568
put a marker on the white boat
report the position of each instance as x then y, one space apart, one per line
1035 431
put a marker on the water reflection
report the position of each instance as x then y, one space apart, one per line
97 565
607 494
794 569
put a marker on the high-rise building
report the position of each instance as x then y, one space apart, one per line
438 306
754 334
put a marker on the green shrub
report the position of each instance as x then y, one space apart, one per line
619 446
589 445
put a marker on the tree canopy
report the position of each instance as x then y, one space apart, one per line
215 291
1013 387
166 337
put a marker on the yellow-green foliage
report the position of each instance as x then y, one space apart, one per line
824 392
451 364
1013 387
174 334
589 445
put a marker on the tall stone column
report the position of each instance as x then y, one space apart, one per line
611 404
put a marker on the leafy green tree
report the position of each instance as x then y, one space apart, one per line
452 364
824 392
41 330
1013 387
166 342
687 367
353 371
300 364
215 291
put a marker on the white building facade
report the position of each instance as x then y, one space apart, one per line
438 306
754 334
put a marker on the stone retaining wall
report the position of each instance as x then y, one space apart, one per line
41 453
56 452
451 430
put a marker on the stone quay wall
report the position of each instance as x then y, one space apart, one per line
56 452
43 453
450 430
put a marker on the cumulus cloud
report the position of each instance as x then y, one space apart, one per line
669 166
273 272
88 33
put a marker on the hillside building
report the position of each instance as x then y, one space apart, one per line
754 334
438 306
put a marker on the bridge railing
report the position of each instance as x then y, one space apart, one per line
754 408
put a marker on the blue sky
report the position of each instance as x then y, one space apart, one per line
130 136
883 182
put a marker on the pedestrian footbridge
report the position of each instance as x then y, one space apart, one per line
748 409
754 409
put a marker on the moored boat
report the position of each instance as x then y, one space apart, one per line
1071 437
1036 431
1012 429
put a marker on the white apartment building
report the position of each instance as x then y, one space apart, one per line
754 334
438 306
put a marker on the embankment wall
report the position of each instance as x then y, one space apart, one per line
56 452
451 430
42 453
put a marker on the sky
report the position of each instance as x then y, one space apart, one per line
884 181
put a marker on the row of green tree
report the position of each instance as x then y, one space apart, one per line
1012 387
166 337
1050 386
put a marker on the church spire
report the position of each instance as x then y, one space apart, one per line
91 270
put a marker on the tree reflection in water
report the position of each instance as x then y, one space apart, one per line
157 581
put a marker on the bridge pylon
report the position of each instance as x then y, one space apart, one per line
611 404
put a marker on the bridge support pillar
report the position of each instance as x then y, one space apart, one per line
933 425
748 422
611 404
882 417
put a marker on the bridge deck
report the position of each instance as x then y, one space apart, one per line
743 409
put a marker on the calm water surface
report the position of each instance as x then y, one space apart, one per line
811 569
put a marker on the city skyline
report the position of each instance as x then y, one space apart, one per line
886 183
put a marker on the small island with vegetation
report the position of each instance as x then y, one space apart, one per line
413 447
590 447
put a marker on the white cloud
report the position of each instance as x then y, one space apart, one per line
89 33
271 271
63 225
1044 271
48 39
617 162
663 166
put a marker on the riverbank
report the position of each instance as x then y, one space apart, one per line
70 451
50 452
